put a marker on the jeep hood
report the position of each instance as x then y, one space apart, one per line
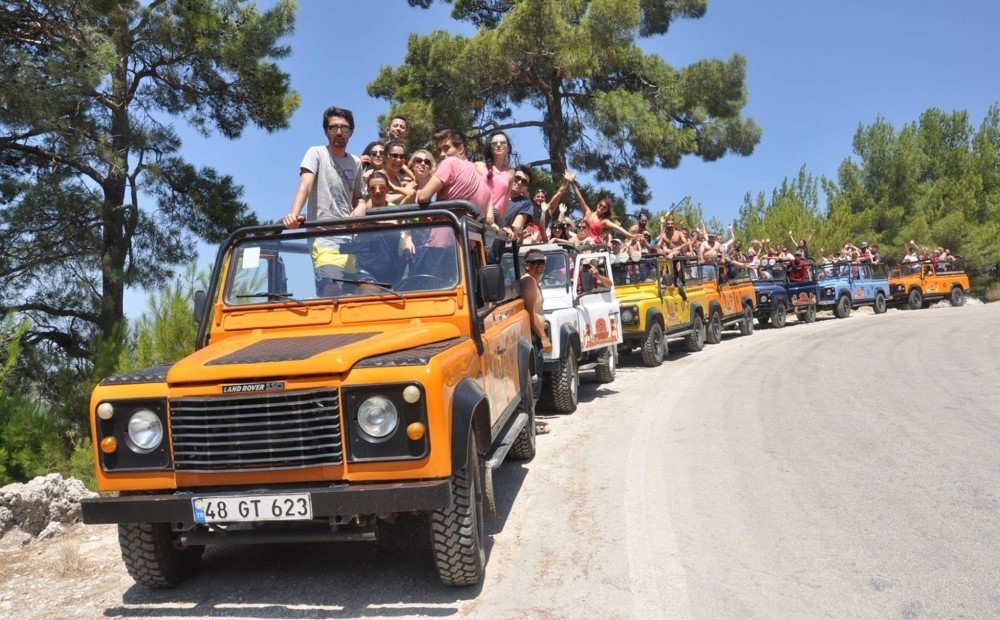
286 354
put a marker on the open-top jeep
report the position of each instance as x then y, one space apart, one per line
729 295
340 380
656 305
779 290
582 320
917 285
842 286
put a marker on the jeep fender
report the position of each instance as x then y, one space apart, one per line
570 339
469 408
653 315
696 309
712 307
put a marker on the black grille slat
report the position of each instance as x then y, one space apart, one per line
257 432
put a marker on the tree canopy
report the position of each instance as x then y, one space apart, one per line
603 105
91 89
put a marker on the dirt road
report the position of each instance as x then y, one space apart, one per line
843 469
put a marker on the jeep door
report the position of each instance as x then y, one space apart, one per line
864 283
597 307
503 327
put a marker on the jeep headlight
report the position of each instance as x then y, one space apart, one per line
627 315
377 416
145 431
764 298
828 292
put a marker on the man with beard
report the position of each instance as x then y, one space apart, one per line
332 183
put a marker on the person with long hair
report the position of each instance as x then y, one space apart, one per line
402 187
422 164
496 171
600 219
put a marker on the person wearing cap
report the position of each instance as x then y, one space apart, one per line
711 249
531 292
799 267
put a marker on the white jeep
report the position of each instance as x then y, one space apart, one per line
582 319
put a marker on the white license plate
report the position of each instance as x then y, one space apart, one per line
234 509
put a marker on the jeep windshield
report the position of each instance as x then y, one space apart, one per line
388 260
635 272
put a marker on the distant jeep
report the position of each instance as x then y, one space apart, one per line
917 285
779 290
729 295
842 286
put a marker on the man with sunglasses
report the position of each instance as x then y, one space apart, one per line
330 178
332 183
531 291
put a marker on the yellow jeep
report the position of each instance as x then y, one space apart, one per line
917 285
657 305
340 379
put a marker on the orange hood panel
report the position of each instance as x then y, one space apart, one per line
258 355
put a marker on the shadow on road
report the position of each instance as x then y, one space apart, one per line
392 578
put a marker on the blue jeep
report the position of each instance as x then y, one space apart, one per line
781 288
843 286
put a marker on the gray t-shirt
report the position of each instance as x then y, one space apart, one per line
338 182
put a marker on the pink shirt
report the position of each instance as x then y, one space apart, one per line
462 182
499 187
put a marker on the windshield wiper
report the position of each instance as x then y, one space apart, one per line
272 296
382 285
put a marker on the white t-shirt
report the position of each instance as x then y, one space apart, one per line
339 182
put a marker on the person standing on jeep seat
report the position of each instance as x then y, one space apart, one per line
531 291
332 183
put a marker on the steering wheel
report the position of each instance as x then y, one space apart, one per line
422 282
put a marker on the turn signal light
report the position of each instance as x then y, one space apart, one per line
109 445
415 431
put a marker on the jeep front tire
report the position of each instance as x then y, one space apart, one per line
458 536
652 347
565 383
153 555
605 369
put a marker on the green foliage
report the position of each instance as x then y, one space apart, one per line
76 155
603 105
166 331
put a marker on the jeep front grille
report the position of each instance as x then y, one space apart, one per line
289 430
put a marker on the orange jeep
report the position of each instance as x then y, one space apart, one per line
729 295
917 285
346 372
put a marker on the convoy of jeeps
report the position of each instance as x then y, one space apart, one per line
350 372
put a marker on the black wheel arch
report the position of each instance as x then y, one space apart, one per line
569 335
470 409
653 315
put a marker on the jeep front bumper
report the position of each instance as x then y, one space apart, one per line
327 501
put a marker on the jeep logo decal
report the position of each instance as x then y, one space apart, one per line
244 388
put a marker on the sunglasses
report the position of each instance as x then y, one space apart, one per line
535 262
397 155
377 153
521 179
339 128
421 160
498 143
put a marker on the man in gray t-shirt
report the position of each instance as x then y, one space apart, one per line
330 181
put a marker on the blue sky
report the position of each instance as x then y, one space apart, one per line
815 72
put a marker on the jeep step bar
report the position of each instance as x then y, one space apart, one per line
499 451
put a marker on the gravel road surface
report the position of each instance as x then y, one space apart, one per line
846 469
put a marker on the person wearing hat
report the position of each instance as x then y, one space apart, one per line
531 292
799 267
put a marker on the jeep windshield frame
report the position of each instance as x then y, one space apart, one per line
460 217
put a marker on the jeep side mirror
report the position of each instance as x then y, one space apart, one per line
491 283
200 298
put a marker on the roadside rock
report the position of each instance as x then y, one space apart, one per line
40 506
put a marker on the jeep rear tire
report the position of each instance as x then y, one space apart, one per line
458 536
957 297
843 308
779 315
746 323
153 555
915 301
879 306
606 364
811 313
652 347
713 331
566 384
696 339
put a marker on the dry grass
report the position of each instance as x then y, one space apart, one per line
71 563
993 292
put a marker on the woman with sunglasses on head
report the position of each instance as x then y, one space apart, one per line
422 165
374 158
402 187
600 219
496 170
